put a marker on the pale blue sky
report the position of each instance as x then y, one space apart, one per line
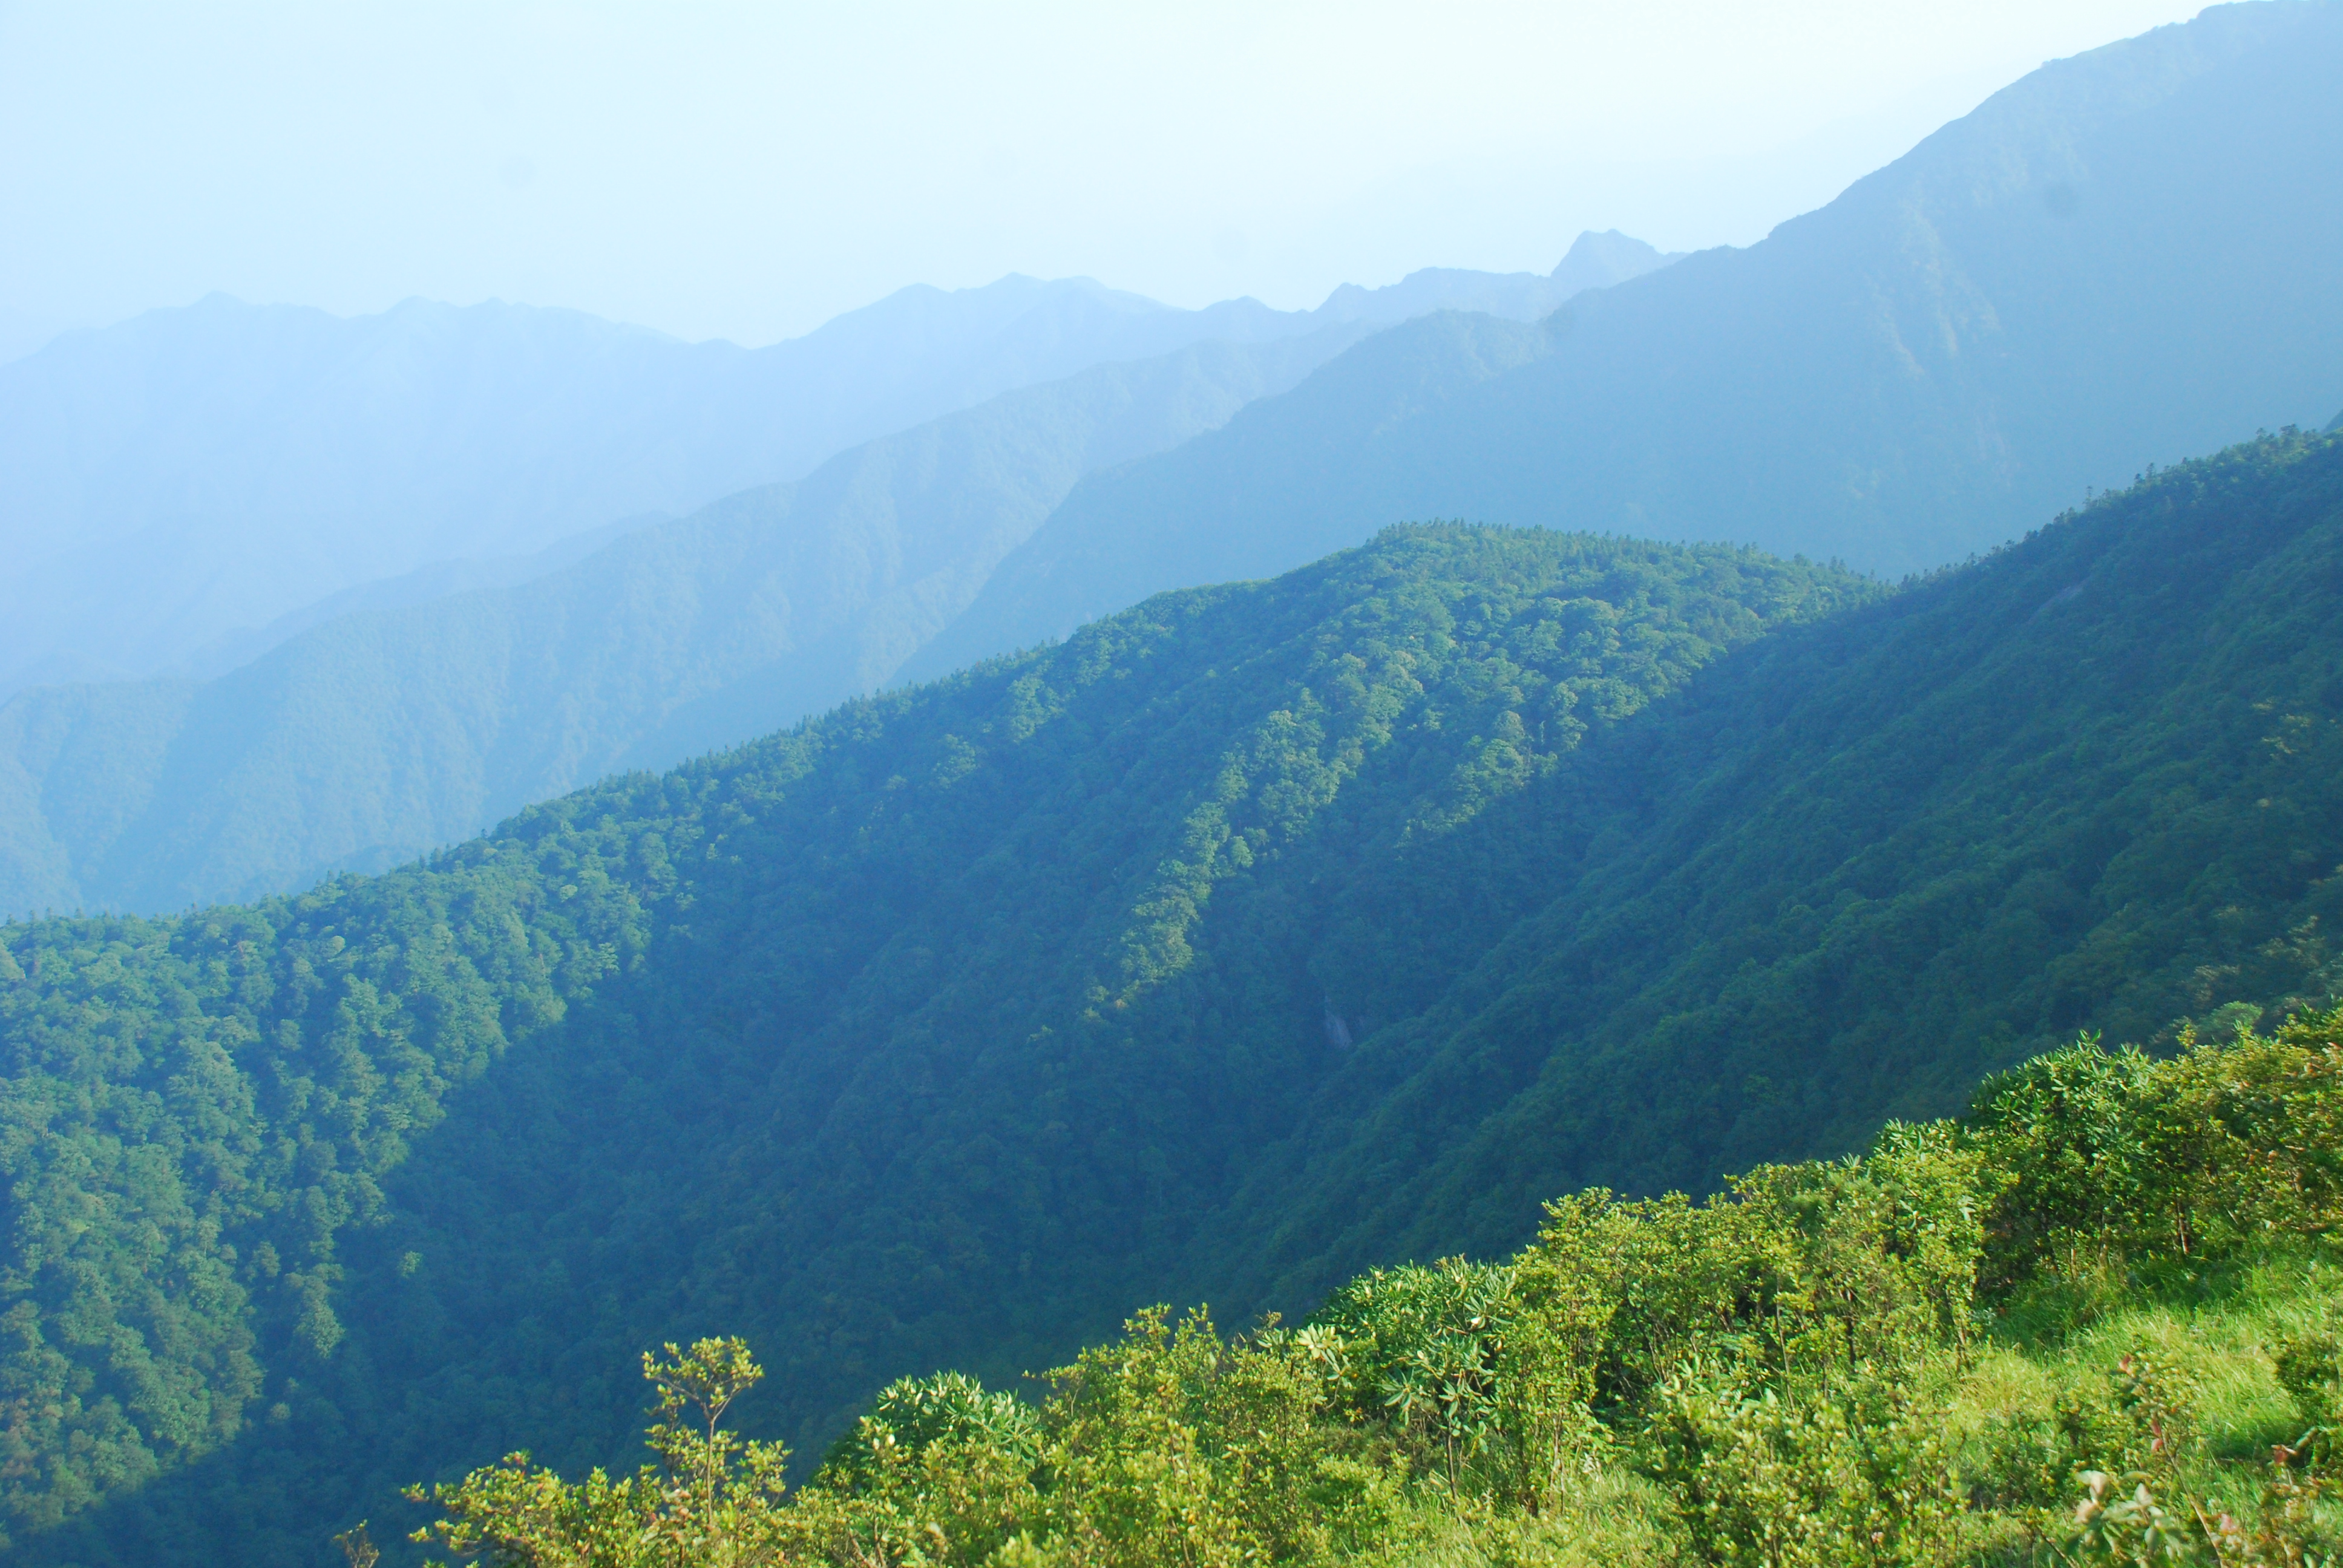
748 171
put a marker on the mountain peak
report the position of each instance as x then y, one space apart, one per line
1599 260
1595 261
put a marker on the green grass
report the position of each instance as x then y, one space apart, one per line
2221 1325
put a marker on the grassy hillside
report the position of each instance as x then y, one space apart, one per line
376 737
1256 937
2118 260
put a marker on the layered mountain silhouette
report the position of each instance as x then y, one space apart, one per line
173 489
1207 944
414 710
2106 266
2122 258
372 736
1245 938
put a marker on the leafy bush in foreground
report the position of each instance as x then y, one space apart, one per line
1901 1358
1237 945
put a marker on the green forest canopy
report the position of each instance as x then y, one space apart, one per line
2095 1322
1254 938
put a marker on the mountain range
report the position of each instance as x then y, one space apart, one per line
1243 939
2108 263
1658 728
410 712
2099 268
173 487
377 735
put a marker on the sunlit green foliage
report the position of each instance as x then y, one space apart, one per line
1234 947
711 1500
216 1115
195 1112
1801 1370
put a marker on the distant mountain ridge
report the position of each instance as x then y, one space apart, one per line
2118 260
1593 261
2096 270
1249 938
172 486
374 736
1233 502
413 711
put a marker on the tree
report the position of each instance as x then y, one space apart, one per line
712 1501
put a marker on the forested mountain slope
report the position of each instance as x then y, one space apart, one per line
1965 1345
2089 783
2122 258
331 1188
1252 934
373 737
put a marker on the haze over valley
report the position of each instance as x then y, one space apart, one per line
835 873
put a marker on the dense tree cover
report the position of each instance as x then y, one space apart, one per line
2090 781
2026 1337
1238 946
776 1028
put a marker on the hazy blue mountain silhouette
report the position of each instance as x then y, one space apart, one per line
1594 261
942 1029
364 740
196 471
1197 511
2124 258
172 487
412 711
